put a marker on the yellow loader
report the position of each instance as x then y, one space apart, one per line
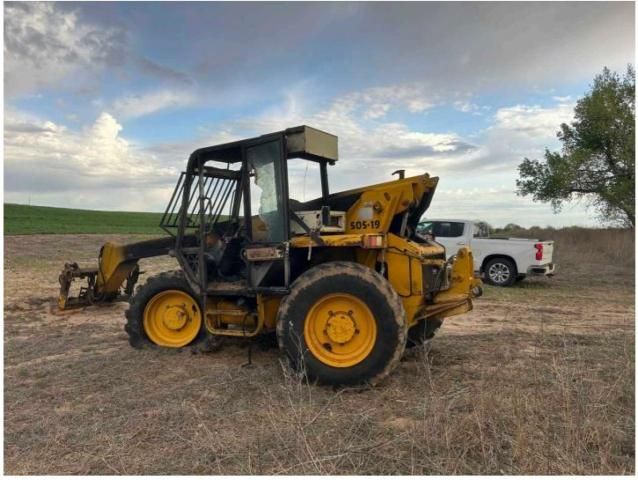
344 280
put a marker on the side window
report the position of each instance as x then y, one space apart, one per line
448 229
304 181
481 230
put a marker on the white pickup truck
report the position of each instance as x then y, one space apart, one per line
500 261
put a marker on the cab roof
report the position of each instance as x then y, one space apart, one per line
301 142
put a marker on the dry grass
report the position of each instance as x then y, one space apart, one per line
539 378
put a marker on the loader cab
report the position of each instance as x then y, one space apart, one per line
231 211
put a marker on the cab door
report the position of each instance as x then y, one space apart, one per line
267 214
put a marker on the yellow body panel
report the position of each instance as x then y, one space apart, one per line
113 267
379 203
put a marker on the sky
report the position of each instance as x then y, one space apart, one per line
103 102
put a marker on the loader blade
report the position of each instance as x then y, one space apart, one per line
70 272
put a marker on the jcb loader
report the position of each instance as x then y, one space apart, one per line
344 280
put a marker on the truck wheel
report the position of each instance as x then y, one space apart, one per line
422 332
165 313
500 272
342 324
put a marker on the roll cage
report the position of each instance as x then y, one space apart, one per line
209 200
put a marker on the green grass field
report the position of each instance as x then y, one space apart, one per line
25 220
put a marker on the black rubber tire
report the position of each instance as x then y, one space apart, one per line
137 303
422 332
368 286
507 263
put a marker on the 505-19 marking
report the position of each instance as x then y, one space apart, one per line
364 224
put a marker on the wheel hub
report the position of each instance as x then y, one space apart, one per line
499 272
175 317
340 327
340 330
172 319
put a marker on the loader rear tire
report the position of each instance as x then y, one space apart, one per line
157 293
342 324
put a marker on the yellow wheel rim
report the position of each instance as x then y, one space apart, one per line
172 319
340 330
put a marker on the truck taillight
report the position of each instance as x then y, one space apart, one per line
539 251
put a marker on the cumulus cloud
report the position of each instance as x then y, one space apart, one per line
44 45
94 167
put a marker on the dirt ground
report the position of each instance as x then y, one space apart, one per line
539 378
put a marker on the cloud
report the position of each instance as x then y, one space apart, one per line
377 110
452 46
533 120
467 107
161 72
43 45
147 103
491 45
98 167
94 167
371 145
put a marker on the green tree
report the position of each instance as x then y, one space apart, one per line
597 161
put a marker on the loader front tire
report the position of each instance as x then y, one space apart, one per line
164 312
342 324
